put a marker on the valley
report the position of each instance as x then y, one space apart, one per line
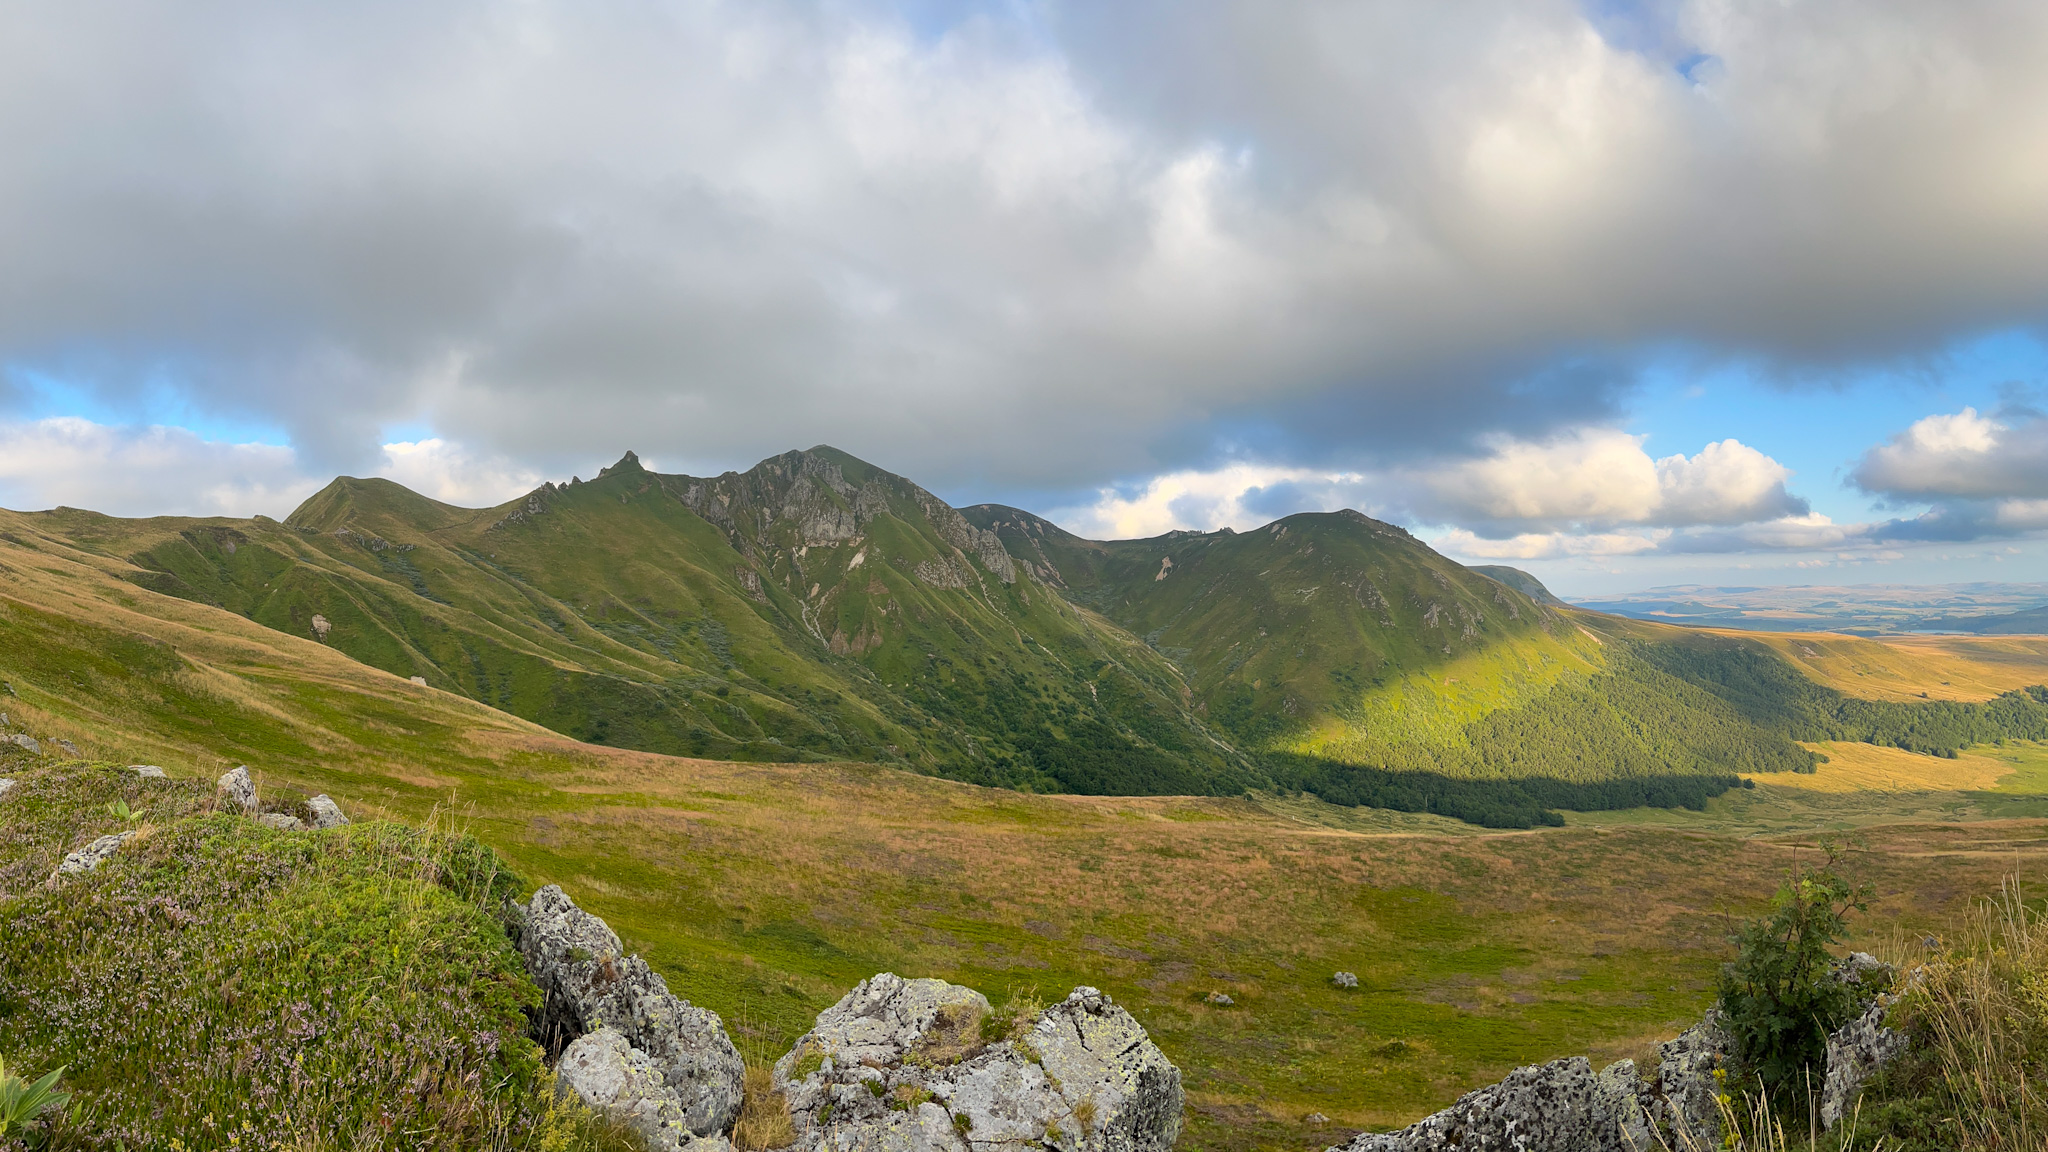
765 886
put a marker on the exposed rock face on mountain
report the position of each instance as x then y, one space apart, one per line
1859 1049
1685 1088
918 1066
591 986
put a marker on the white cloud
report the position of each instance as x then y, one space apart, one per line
1961 455
453 475
160 471
1563 495
144 471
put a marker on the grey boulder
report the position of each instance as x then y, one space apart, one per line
92 855
326 813
24 740
147 771
607 1073
6 786
1856 1051
902 1066
1540 1108
1685 1089
239 788
590 985
282 821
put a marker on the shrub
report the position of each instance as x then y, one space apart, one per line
1779 997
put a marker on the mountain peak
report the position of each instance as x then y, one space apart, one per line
630 462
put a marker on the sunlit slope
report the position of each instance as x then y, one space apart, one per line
811 607
1338 639
1907 668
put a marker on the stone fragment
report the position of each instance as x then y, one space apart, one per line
1621 1110
1685 1087
607 1073
904 1066
1856 1051
1345 980
239 788
420 680
589 984
92 855
326 813
69 748
282 821
27 741
1541 1108
1221 999
6 786
147 771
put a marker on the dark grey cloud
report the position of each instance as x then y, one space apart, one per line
1029 248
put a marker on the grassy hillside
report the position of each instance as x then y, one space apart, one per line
216 982
766 890
813 607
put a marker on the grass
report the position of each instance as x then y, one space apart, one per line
224 984
1908 668
764 891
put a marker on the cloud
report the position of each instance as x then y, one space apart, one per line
1046 246
1566 494
1600 477
1960 455
160 471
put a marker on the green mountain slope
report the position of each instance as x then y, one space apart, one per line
811 607
1344 650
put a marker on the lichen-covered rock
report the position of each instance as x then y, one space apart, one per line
903 1066
1541 1108
1685 1087
92 855
589 984
282 821
24 740
1621 1110
147 771
1856 1051
239 788
326 813
606 1072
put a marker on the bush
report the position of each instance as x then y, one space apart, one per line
1779 997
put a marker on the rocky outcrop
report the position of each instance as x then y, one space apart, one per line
606 1072
326 813
1859 1049
590 985
1541 1108
92 855
1563 1106
918 1066
239 789
1685 1087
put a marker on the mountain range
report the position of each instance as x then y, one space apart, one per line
816 607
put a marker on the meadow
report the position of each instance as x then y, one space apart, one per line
765 891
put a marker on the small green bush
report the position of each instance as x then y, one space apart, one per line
1778 998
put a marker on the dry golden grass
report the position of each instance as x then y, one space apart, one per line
1914 667
1869 768
764 1115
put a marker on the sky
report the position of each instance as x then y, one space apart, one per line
1626 294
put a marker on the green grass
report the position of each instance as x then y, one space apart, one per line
765 891
216 983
